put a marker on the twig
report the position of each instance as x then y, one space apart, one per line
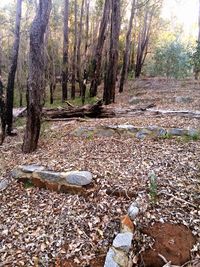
179 199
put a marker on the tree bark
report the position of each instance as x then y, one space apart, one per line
96 61
65 52
36 84
13 68
143 41
111 77
126 57
73 89
79 72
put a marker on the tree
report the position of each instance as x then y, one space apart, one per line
143 41
36 76
96 61
13 68
111 76
74 65
196 55
126 57
79 67
172 60
65 51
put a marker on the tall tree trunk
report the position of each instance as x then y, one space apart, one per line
13 68
143 41
126 57
87 28
96 61
196 68
111 77
36 84
65 52
74 65
79 72
0 53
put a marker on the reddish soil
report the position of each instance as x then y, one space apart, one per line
172 241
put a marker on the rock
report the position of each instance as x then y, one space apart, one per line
133 211
123 241
134 100
177 132
157 131
183 99
31 168
126 224
109 262
143 133
105 132
3 185
25 171
127 127
50 176
65 182
79 178
193 133
121 258
86 132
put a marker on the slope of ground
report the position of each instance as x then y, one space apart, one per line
38 226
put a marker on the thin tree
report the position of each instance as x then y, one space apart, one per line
65 69
126 57
36 84
12 71
143 42
79 68
96 61
74 63
111 76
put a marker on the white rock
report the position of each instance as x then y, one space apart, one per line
133 211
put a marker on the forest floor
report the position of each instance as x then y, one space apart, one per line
43 228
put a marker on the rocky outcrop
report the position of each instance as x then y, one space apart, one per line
66 182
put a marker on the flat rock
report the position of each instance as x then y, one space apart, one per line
79 178
3 185
123 241
177 132
31 168
110 262
48 175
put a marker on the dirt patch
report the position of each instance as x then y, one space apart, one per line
174 242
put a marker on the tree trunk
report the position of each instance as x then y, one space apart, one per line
143 41
126 57
13 68
96 62
36 76
65 52
79 72
73 89
111 77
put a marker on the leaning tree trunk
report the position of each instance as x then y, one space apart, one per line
65 52
127 50
96 61
36 84
111 77
74 65
13 68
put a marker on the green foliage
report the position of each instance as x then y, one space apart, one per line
196 58
172 60
153 187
